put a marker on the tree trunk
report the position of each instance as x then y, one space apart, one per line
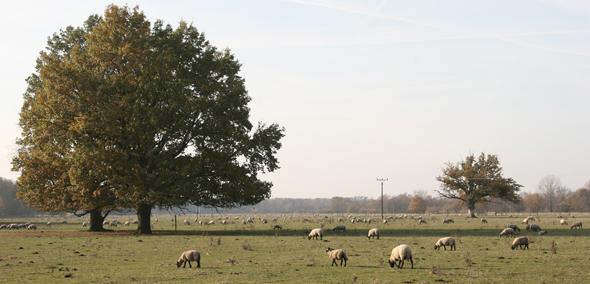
144 213
471 209
96 220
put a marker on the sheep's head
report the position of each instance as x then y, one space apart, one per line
329 249
179 262
513 247
391 263
436 247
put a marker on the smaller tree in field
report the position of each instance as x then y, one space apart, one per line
477 179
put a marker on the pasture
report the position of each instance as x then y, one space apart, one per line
255 253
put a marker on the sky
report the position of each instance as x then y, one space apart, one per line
369 89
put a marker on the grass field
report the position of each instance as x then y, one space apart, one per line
254 253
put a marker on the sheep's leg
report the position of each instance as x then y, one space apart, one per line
401 264
184 264
412 262
345 260
341 261
377 236
445 247
334 262
198 263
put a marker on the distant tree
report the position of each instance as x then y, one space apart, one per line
587 185
579 200
550 186
417 205
533 202
477 180
148 115
9 204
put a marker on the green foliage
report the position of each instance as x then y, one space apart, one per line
125 113
477 180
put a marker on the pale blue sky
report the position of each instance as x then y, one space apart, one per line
375 88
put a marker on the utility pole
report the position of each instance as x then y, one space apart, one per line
382 180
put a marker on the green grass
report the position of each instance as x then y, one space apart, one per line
265 256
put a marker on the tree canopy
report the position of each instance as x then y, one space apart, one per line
477 179
140 115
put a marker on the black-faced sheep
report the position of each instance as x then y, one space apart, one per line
520 242
448 221
315 234
188 256
484 221
514 227
533 227
508 232
337 254
400 254
277 227
577 225
444 242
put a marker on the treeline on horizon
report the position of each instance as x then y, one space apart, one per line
557 199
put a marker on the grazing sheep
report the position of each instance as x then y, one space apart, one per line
444 242
533 227
188 256
373 233
211 222
277 227
264 221
520 242
514 227
135 222
84 224
528 219
421 221
225 222
3 226
401 253
562 222
337 254
127 223
105 223
577 225
508 232
385 221
186 222
315 234
484 221
448 221
48 223
32 227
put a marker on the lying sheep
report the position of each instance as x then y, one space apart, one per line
448 221
577 225
188 256
533 227
127 223
562 222
484 221
520 242
373 233
401 253
514 227
315 234
508 232
337 254
444 242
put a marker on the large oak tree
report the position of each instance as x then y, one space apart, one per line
477 179
153 116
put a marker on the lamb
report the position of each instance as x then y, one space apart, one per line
337 254
520 242
373 233
448 221
562 222
315 234
507 232
577 225
444 242
533 227
188 256
484 221
401 253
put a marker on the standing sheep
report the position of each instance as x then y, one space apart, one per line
562 222
84 224
484 221
337 254
533 227
186 222
520 242
444 242
401 253
32 227
373 233
448 221
514 227
577 225
315 234
188 256
421 221
508 232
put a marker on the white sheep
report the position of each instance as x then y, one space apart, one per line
32 227
385 221
533 227
188 256
187 222
337 254
401 253
48 223
84 224
211 222
373 233
421 221
507 232
562 222
520 242
315 234
127 223
528 219
448 221
484 221
444 242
